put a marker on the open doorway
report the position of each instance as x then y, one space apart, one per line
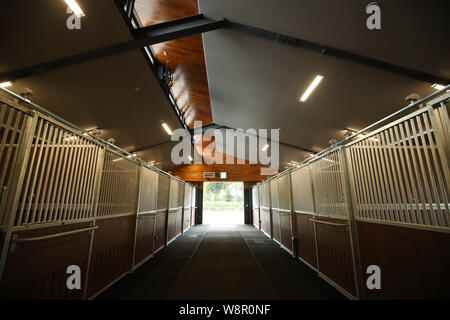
223 203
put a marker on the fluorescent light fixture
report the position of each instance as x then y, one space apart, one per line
134 155
437 86
311 88
166 127
5 84
75 8
264 149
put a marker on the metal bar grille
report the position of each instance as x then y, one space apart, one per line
12 126
187 196
284 193
149 191
302 195
327 182
399 173
173 194
59 178
119 186
255 195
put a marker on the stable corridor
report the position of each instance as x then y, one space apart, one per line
222 262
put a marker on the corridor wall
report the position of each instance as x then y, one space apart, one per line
70 199
381 200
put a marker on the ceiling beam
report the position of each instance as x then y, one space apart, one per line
337 53
154 34
269 139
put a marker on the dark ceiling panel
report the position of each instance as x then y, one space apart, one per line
118 94
413 33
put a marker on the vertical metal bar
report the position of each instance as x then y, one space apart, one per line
361 210
270 210
97 183
81 167
419 195
425 180
370 180
396 199
35 177
168 211
55 171
348 187
436 217
50 170
406 173
443 154
362 175
139 182
87 184
61 194
293 221
383 179
69 178
69 213
401 195
45 145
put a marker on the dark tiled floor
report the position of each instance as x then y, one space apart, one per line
222 262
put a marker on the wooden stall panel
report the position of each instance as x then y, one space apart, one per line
414 263
265 221
276 231
37 269
145 233
286 230
306 238
179 221
172 224
334 253
111 252
256 218
160 230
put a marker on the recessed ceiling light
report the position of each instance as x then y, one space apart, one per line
166 127
311 88
75 8
264 149
6 84
437 86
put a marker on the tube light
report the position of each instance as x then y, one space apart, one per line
73 5
264 149
166 127
437 86
311 88
5 84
